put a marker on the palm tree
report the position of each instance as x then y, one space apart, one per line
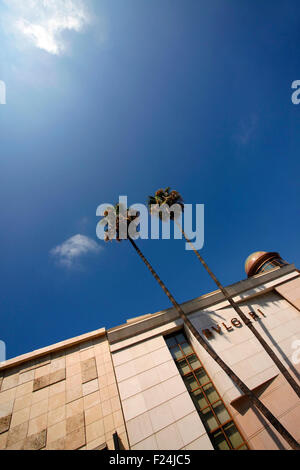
160 204
113 232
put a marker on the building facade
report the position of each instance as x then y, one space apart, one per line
63 397
148 384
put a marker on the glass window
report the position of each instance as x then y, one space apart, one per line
219 441
183 367
180 338
186 349
202 376
176 352
171 342
267 266
211 409
279 261
211 393
199 399
208 419
221 412
233 435
194 362
191 382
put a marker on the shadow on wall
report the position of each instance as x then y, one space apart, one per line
242 406
275 344
213 318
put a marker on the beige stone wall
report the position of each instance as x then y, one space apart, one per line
280 327
66 396
278 396
158 409
65 400
291 292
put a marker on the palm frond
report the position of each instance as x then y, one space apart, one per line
165 197
114 216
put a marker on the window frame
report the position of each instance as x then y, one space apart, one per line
192 373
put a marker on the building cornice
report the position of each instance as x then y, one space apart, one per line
240 291
52 349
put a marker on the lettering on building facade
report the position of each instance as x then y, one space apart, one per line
215 330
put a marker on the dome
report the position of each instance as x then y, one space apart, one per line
252 259
262 261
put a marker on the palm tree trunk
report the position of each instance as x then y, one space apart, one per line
243 387
295 386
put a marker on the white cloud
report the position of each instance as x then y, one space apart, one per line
69 253
42 22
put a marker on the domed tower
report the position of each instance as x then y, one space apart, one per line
262 261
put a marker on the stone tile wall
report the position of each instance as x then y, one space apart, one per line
67 400
158 410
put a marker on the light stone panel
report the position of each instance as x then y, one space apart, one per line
202 443
240 349
291 292
61 402
279 327
157 407
150 443
142 394
170 438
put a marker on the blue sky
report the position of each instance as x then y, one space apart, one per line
110 98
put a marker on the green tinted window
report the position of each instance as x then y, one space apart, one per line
176 352
219 441
211 409
211 393
186 349
208 419
202 376
233 435
194 362
191 382
199 399
183 367
221 412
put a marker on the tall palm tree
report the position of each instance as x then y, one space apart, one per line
113 232
160 204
